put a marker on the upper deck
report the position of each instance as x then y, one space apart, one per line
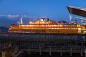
42 21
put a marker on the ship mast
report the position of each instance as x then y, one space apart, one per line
21 21
70 17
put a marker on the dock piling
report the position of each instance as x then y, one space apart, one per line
70 51
50 51
61 52
81 52
40 51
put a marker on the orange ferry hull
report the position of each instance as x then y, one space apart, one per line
62 29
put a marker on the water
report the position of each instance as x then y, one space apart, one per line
4 29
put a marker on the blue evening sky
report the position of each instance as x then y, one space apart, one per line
54 9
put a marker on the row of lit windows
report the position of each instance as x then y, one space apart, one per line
45 31
50 25
46 28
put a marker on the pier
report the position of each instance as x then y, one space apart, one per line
44 44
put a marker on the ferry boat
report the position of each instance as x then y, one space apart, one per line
44 25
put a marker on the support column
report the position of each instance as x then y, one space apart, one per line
40 50
3 54
81 52
50 51
85 53
70 51
61 52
